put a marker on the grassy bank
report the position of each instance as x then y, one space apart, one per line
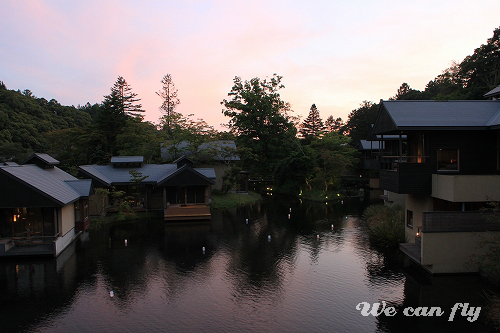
231 200
386 225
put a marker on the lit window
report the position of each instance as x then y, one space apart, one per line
409 219
447 159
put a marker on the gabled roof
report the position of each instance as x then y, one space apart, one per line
107 175
194 177
395 116
81 186
43 158
494 92
51 183
370 145
116 176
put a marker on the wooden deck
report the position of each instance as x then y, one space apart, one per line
187 212
412 250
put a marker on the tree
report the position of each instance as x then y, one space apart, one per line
334 156
116 109
259 118
168 94
360 120
128 99
334 125
312 125
406 93
480 72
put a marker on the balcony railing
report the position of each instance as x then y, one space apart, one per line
187 212
468 221
406 174
393 162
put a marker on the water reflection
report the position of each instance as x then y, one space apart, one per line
307 277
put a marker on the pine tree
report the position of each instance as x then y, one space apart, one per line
312 125
112 116
128 98
168 94
333 125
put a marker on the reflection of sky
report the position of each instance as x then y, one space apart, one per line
335 54
295 282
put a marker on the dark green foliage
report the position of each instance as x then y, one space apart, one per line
359 121
259 118
312 125
230 179
25 120
386 225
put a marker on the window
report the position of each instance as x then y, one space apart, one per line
409 219
447 159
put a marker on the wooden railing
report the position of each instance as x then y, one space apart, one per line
468 221
34 240
408 178
188 212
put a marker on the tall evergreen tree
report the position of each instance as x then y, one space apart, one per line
168 94
127 98
116 108
312 125
333 125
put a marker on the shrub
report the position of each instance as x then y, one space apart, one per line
386 226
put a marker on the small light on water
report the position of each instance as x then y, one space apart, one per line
111 294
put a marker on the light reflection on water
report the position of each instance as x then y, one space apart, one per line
162 280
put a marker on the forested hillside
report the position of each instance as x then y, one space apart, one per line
25 120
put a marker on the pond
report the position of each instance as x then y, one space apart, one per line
293 267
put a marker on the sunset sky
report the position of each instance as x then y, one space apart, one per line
335 54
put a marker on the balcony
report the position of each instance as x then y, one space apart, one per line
187 212
466 188
453 221
406 175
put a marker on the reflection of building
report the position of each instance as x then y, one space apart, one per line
42 208
448 172
179 189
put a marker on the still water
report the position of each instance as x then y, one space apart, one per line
280 272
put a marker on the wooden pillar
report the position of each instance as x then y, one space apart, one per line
164 200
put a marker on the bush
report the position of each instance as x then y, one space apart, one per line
386 227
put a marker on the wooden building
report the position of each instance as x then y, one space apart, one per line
179 189
448 171
42 208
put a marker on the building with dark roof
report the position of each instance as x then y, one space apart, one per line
179 189
219 155
42 208
448 170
